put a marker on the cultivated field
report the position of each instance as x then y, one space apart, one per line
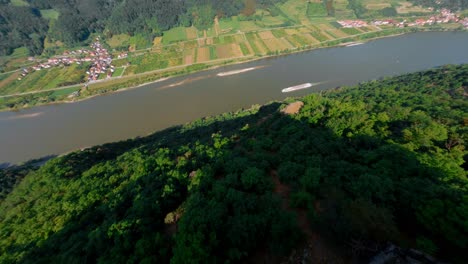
289 26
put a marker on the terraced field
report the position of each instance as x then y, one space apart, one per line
292 25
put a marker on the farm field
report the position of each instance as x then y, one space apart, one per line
285 27
42 80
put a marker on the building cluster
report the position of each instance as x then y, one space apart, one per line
352 23
445 16
98 56
101 63
122 55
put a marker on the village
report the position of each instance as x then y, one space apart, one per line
445 16
98 56
100 59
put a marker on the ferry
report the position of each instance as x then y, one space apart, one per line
236 72
297 87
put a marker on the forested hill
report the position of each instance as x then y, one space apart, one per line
77 19
355 169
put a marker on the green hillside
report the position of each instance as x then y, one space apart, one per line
354 169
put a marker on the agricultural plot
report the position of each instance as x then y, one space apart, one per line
294 10
210 41
19 52
247 26
245 48
63 92
275 44
229 25
191 33
279 33
272 21
238 38
332 31
213 55
118 72
351 31
117 41
15 63
377 4
138 42
342 11
291 31
266 35
407 7
6 79
175 62
228 51
203 54
318 36
298 40
303 30
310 39
256 43
157 41
201 42
316 9
189 56
148 62
174 35
46 79
190 44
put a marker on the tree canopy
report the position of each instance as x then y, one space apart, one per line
384 161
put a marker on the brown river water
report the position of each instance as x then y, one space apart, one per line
56 129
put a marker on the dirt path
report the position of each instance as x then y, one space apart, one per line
216 26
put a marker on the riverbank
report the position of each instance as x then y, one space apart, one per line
138 112
58 96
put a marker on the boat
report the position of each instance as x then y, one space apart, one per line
297 87
221 74
354 44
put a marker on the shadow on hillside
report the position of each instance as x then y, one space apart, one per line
273 141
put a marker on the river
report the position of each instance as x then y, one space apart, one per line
56 129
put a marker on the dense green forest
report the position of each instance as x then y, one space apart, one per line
451 4
381 162
24 26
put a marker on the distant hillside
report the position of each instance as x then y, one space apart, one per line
336 176
22 23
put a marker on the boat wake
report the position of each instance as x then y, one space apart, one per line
190 80
300 87
24 116
228 73
352 44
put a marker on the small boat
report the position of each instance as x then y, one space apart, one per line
297 87
354 44
236 72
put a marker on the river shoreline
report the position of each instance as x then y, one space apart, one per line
234 62
58 129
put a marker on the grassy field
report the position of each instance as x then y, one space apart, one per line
49 13
174 35
19 3
316 9
377 4
118 72
117 41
